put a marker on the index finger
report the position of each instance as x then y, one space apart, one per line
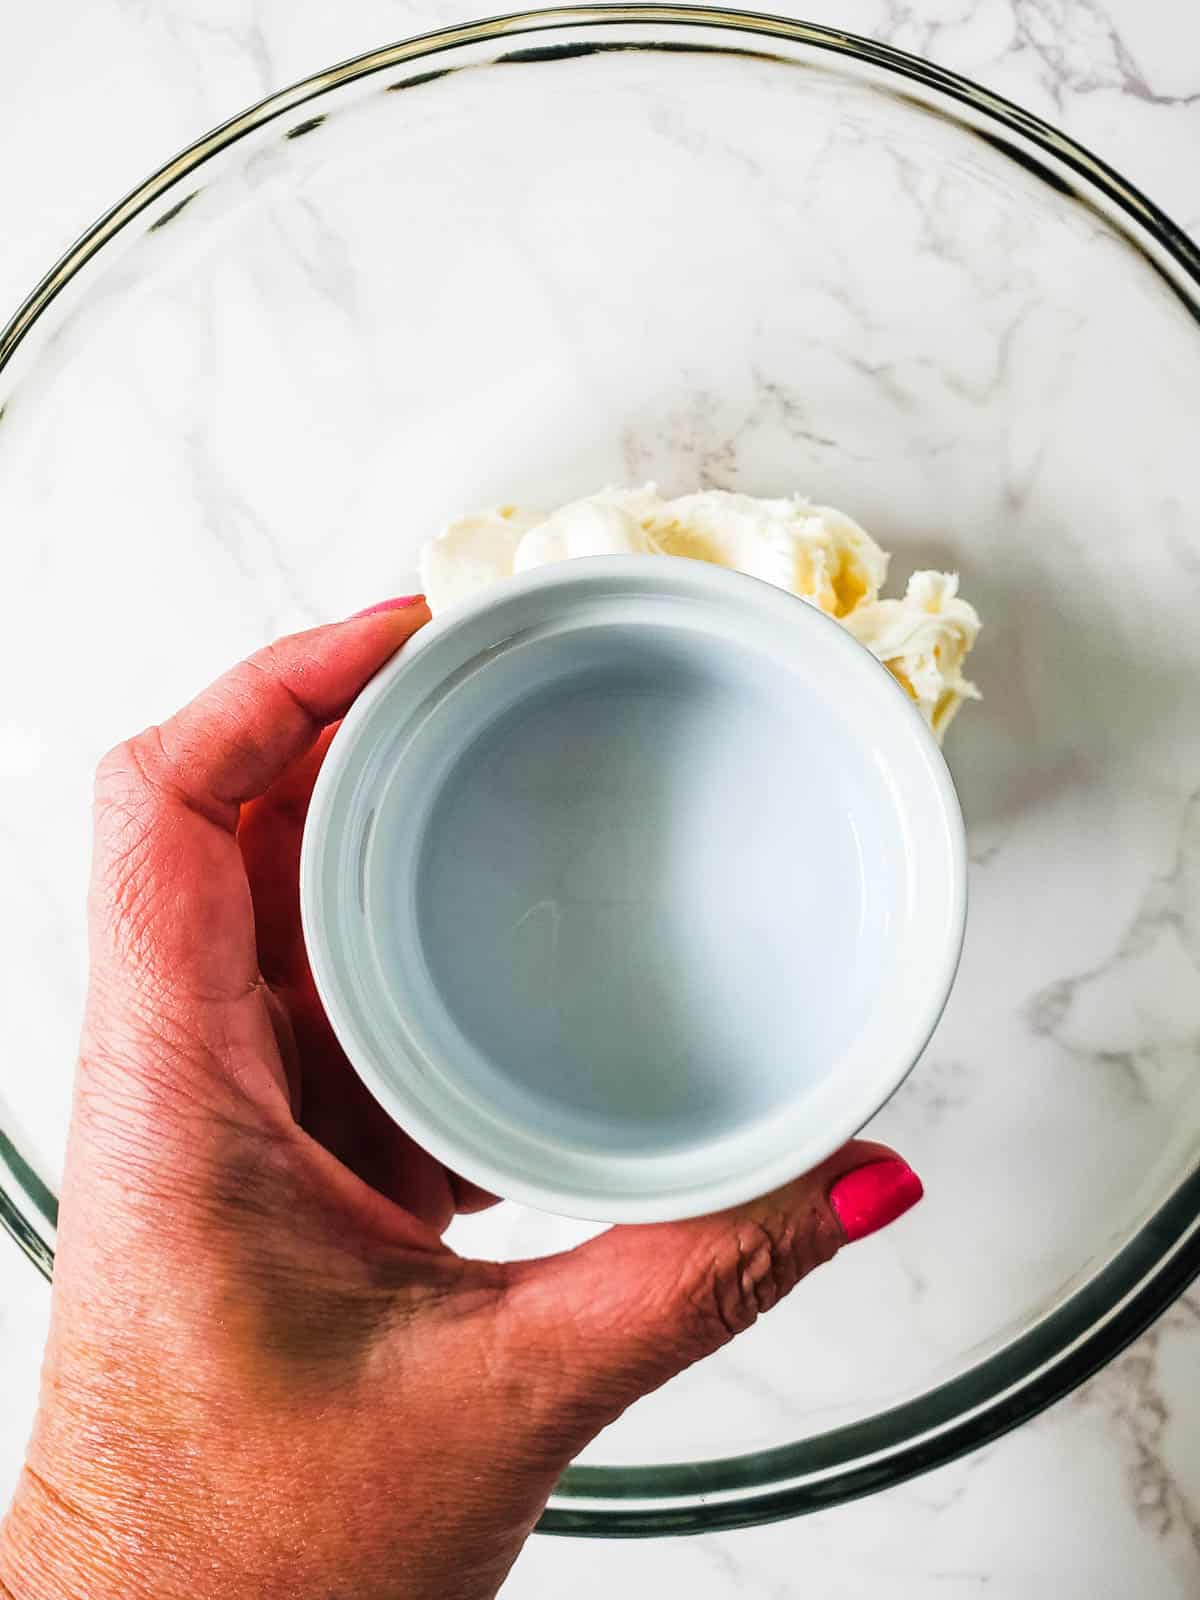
239 735
170 903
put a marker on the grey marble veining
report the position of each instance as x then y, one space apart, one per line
1109 1015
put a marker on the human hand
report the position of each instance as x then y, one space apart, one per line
266 1374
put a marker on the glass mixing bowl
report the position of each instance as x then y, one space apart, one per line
516 261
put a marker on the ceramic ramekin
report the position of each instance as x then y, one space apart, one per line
634 888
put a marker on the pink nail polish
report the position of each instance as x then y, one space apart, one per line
870 1197
387 605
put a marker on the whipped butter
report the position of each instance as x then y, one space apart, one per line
812 551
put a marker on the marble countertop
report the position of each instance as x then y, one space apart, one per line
1098 1497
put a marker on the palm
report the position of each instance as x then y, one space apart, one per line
334 1106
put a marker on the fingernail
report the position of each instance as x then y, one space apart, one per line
870 1197
387 605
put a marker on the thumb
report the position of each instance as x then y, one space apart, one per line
616 1317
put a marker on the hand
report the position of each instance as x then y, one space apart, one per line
266 1374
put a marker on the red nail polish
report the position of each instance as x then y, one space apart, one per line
388 605
870 1197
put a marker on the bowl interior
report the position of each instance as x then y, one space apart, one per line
527 259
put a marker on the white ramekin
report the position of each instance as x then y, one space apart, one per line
634 888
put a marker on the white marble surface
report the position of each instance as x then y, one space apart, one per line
1099 1497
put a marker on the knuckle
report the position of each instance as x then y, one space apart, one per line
266 669
285 670
131 808
267 660
117 771
130 770
753 1264
126 800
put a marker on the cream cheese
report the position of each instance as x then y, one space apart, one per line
813 551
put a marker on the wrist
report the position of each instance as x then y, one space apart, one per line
34 1554
50 1550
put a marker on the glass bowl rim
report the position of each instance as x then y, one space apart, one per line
1120 1301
